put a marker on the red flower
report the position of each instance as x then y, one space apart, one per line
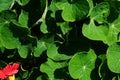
11 69
2 75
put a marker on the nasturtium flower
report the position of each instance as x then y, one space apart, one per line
9 72
2 75
11 69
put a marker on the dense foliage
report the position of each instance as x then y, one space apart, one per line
61 39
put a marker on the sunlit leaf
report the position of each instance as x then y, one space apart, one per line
23 18
113 58
41 46
50 66
23 51
94 32
81 65
73 11
52 52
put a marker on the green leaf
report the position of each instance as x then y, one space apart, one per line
24 74
114 29
41 46
52 52
91 5
53 8
23 18
94 32
23 51
115 78
65 28
50 66
5 4
8 15
100 12
112 34
73 11
22 2
81 65
104 71
18 30
7 39
113 57
42 77
43 28
48 39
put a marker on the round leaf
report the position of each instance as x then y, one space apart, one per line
23 51
74 11
113 58
94 32
81 65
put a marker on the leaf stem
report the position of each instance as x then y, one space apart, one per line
43 15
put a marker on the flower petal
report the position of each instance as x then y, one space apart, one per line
2 75
11 69
15 66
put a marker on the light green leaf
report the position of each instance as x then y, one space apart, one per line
112 34
114 29
43 27
116 23
41 46
73 11
23 19
100 12
50 66
7 39
5 4
113 57
23 51
53 8
94 32
81 65
65 28
115 78
52 52
91 5
22 2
